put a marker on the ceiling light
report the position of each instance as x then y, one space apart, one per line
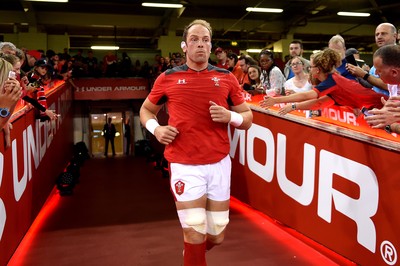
162 5
254 51
104 47
353 14
53 1
267 10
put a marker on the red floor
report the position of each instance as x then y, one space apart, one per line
122 213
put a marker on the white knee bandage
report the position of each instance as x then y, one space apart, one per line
217 221
193 218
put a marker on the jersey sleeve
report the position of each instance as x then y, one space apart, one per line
158 92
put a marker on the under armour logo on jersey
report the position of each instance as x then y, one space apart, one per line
181 81
216 81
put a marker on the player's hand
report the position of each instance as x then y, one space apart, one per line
219 113
165 134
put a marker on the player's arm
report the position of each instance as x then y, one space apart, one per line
148 118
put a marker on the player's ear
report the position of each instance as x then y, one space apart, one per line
183 46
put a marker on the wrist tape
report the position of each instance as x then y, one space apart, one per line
151 125
236 119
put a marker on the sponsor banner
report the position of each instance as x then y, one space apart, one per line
28 169
111 88
339 191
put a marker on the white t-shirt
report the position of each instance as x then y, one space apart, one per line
289 85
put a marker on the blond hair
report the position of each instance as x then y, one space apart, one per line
5 68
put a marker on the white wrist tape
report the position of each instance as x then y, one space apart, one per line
151 125
236 119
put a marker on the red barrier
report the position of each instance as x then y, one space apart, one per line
28 169
333 188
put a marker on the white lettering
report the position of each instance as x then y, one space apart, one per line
19 185
32 150
237 135
302 194
95 89
265 170
130 88
341 116
359 210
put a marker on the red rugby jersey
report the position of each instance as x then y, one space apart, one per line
187 94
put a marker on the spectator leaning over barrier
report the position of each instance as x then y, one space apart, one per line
10 92
332 88
16 63
387 64
37 80
385 34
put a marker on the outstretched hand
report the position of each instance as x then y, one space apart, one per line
267 102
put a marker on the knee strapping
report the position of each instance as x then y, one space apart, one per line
193 218
217 221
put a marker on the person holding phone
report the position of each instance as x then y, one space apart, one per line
352 55
10 92
385 34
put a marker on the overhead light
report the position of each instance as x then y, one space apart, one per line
234 43
52 1
104 47
253 51
353 14
162 5
266 10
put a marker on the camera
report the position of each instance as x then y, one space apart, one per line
12 74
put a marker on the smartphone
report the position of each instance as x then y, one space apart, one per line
12 74
351 60
365 112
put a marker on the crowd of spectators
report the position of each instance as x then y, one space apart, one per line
334 76
260 74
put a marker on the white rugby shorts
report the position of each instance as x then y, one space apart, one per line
191 182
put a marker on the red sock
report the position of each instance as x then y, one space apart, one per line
195 254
